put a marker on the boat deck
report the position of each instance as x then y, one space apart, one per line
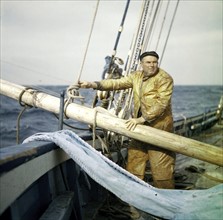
190 174
202 174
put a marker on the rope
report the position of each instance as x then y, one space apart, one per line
25 106
154 19
18 124
118 37
133 62
137 47
155 23
47 91
72 91
103 144
134 47
89 39
149 26
174 14
161 29
94 126
20 97
105 101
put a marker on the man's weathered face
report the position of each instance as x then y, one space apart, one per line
149 65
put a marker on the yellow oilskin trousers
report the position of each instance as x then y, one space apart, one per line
161 161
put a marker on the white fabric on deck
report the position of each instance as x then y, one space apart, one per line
168 204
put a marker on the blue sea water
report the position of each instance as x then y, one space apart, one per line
186 101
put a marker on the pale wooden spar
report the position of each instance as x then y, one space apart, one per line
173 142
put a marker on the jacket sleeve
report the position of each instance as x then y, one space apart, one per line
115 84
154 106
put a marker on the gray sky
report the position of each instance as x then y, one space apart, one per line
43 42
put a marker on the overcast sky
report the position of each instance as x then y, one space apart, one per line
43 42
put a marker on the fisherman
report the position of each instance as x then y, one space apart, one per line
152 91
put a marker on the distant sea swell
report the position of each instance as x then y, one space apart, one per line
187 101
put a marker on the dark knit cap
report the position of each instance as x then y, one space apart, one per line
149 53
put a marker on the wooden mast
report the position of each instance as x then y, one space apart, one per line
170 141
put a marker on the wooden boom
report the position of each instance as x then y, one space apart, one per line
163 139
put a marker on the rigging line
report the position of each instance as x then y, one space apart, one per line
169 31
133 61
126 67
89 39
147 25
34 71
117 41
116 45
139 35
129 61
149 42
162 25
47 91
18 123
151 26
155 25
135 37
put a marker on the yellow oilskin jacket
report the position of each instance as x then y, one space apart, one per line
152 96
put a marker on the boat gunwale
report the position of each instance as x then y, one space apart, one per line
14 156
28 172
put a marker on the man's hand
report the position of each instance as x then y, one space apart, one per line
87 85
131 123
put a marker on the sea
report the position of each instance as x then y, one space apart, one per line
187 101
